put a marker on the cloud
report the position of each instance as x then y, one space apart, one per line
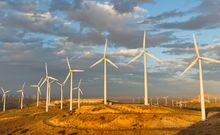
206 16
126 6
166 15
198 22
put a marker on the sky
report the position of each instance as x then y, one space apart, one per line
34 32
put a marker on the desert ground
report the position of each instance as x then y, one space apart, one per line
117 119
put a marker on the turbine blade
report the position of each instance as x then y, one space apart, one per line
195 45
135 58
43 82
23 85
75 88
68 63
106 42
77 70
110 62
67 77
46 69
2 90
144 40
52 78
81 91
154 57
79 82
52 81
7 91
40 81
34 86
59 83
192 64
211 60
96 63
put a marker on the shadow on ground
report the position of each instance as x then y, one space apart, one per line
209 127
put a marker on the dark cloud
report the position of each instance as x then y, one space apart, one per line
126 6
166 15
197 22
207 17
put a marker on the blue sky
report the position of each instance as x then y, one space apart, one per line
33 32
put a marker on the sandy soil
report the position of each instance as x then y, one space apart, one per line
100 119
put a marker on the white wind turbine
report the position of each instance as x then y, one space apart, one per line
105 60
47 79
144 52
166 100
70 74
199 59
61 94
38 86
157 100
22 95
79 92
4 98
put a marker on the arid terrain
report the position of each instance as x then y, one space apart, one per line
96 118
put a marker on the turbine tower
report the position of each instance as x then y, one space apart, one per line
79 91
70 74
4 98
22 95
38 86
166 100
199 59
47 79
144 52
105 60
49 95
61 94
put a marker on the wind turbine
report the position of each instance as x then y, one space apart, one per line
158 100
38 86
79 91
4 98
144 52
61 94
70 74
199 59
47 79
105 60
22 94
166 100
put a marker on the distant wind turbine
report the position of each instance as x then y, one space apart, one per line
38 86
22 94
166 100
47 79
158 100
144 52
199 59
61 94
4 97
79 92
105 60
70 74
